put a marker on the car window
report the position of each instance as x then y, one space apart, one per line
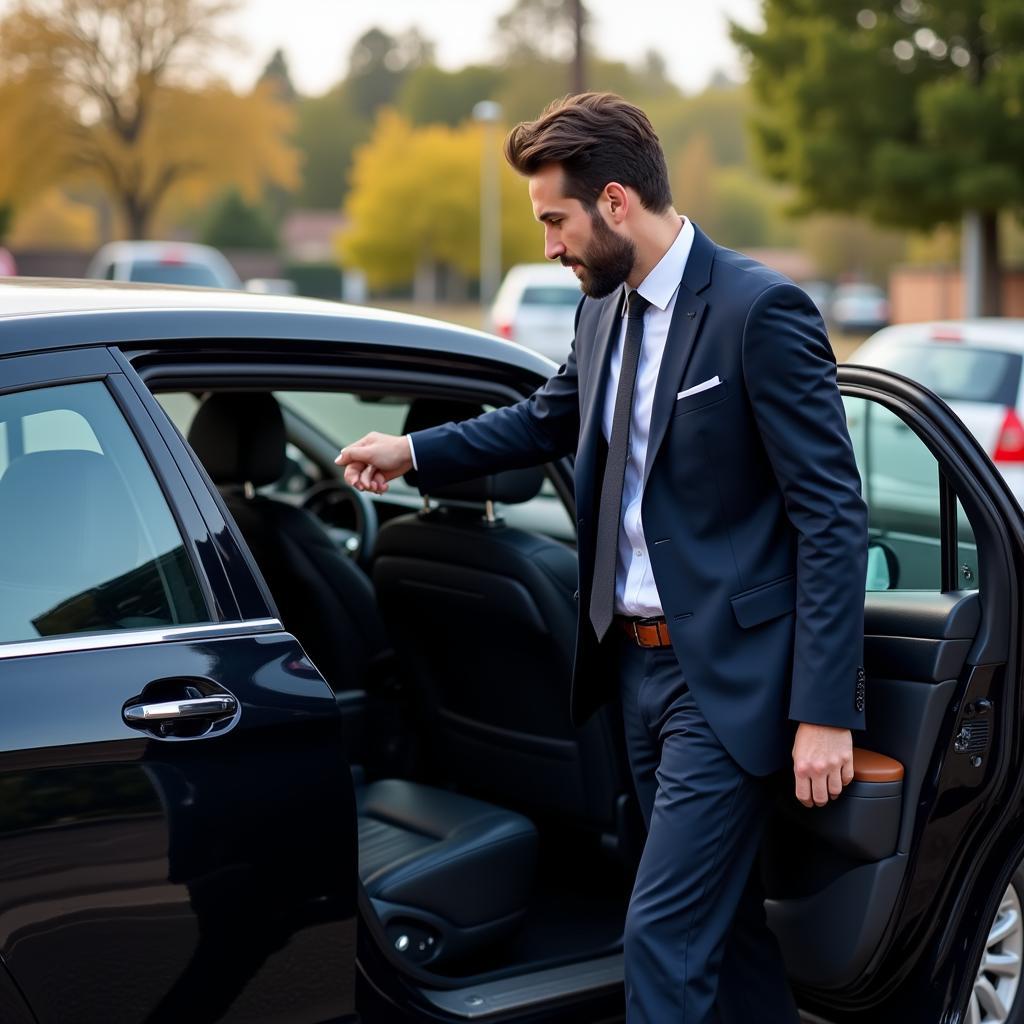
156 272
955 373
900 485
89 543
551 295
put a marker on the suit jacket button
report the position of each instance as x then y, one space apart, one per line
859 691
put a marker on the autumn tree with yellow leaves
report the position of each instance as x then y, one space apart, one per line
116 92
415 202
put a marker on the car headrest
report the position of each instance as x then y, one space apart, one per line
239 437
68 521
511 487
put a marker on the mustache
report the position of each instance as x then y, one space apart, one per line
567 261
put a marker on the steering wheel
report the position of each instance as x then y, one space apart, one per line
348 515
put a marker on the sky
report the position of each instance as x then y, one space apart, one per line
316 35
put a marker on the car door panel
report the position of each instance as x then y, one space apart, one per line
147 868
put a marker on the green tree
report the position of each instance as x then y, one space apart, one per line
378 65
911 112
328 130
235 224
431 95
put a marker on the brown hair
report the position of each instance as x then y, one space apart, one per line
596 137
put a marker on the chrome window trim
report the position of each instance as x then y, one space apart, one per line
137 637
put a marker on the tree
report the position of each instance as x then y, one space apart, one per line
431 95
415 203
909 111
379 64
328 130
129 108
235 224
276 71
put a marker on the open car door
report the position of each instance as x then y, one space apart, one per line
883 900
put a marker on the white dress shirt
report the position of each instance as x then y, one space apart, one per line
635 590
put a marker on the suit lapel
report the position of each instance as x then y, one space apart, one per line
606 332
687 317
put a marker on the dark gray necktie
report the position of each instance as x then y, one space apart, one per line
609 515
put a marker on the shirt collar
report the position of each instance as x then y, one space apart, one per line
661 283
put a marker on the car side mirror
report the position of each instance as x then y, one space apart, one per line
883 567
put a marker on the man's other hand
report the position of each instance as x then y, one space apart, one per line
822 763
374 460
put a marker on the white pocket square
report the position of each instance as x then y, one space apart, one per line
698 388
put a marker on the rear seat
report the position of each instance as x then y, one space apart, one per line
446 873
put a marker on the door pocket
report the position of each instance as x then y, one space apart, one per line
764 602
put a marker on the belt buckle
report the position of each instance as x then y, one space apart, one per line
636 635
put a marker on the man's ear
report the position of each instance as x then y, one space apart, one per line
616 201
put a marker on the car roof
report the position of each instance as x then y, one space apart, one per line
993 332
151 249
48 313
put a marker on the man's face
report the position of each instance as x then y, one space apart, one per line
578 237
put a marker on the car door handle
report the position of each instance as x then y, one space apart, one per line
171 710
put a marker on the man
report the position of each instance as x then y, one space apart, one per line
722 543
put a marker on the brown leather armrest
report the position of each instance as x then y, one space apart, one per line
871 767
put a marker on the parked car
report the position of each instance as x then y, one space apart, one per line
8 267
975 366
859 307
184 263
820 293
272 748
536 308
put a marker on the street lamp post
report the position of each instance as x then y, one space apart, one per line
489 114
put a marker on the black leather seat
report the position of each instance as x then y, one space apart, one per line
485 615
446 874
325 600
437 865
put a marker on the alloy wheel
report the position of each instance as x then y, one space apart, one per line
995 988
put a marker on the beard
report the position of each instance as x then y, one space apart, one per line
606 262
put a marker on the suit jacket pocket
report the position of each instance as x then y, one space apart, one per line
702 399
764 602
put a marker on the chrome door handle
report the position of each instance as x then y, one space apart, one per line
201 707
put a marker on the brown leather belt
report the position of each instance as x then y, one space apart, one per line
645 632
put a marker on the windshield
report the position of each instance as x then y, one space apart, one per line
551 295
964 374
174 273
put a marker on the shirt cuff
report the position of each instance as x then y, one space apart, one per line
412 450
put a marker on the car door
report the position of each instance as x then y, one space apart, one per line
177 824
880 899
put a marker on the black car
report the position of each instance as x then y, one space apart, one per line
274 750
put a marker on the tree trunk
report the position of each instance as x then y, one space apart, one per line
991 285
578 57
136 215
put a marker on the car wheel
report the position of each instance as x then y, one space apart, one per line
997 998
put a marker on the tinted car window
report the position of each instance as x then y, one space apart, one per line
552 295
174 273
89 543
957 373
900 484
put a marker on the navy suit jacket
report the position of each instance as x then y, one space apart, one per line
752 513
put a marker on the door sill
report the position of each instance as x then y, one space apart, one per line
477 1002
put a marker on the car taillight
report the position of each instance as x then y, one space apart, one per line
1010 446
504 331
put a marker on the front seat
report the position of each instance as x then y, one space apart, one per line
485 616
445 873
324 599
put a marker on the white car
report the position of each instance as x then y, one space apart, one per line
859 307
186 263
536 308
975 365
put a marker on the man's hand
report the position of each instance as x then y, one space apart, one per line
822 763
374 460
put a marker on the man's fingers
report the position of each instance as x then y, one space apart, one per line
819 790
835 783
803 791
847 772
352 471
